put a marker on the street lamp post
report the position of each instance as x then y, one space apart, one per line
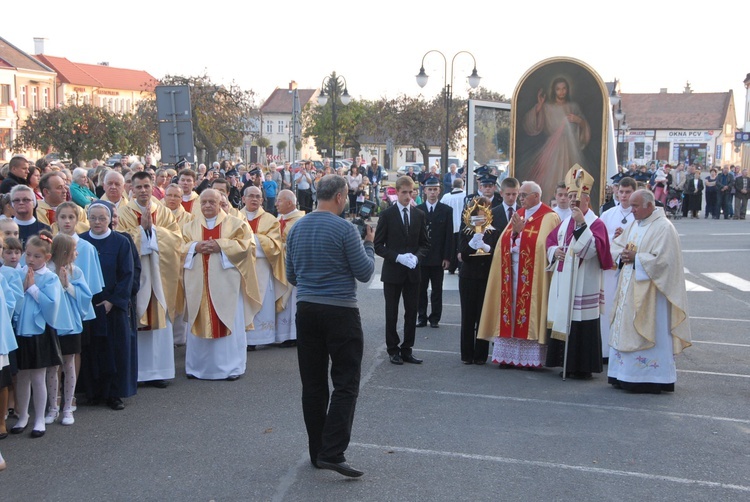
616 100
332 84
474 79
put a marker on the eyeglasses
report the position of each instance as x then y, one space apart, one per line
25 201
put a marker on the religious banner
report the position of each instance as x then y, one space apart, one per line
559 119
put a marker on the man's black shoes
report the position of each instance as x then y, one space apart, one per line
396 359
410 359
342 467
421 324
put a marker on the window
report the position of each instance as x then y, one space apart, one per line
269 127
411 155
727 151
280 129
728 129
639 148
34 99
24 101
4 94
45 98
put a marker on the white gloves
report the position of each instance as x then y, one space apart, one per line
477 242
408 260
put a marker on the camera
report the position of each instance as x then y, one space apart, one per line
364 214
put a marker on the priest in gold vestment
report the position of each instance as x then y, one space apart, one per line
221 290
286 329
158 239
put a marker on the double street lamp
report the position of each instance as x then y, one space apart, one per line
474 79
330 87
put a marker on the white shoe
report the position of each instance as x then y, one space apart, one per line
74 406
51 416
67 418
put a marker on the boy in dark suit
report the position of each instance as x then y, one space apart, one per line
502 212
401 239
440 232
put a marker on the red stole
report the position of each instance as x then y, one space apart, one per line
254 224
519 327
218 329
51 215
282 225
187 205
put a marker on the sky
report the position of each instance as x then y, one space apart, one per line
378 46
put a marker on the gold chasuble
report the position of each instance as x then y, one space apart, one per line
181 216
268 230
286 221
48 215
156 298
121 203
210 288
527 319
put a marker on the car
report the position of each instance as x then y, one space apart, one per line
57 157
317 165
405 169
114 158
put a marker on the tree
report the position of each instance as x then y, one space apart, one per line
281 146
141 128
491 128
220 113
78 131
262 143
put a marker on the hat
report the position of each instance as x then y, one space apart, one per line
481 170
180 163
488 179
432 181
232 172
254 171
577 178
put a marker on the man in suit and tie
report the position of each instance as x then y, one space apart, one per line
440 232
401 239
503 211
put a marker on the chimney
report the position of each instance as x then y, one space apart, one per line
104 63
39 45
292 85
663 90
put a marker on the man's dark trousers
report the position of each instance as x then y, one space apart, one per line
325 331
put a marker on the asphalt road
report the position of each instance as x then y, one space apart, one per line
439 431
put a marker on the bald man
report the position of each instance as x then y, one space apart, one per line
269 267
286 330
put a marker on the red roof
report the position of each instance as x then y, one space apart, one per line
280 100
677 110
99 75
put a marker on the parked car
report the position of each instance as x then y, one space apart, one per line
405 169
114 158
317 165
56 157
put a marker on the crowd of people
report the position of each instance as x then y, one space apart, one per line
106 270
686 190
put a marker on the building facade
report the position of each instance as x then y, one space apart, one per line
26 86
682 127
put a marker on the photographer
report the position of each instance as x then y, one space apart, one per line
325 258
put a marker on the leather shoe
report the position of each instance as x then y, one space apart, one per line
421 324
342 468
434 325
18 430
232 378
157 384
37 434
411 359
116 404
396 359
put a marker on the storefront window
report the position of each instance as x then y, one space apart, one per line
639 150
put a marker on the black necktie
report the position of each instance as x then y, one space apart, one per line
406 219
431 208
510 213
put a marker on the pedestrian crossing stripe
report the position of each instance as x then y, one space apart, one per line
450 282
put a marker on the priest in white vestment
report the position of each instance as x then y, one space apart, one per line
221 291
286 328
270 267
650 323
616 219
